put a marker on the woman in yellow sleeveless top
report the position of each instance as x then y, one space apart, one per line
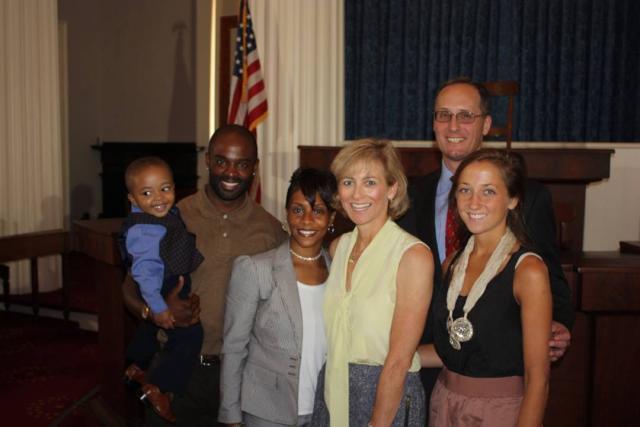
377 298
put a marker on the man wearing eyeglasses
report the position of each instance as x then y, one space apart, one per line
461 119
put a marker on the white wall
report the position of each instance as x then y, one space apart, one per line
84 88
148 86
126 82
612 211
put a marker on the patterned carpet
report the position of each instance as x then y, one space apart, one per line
48 365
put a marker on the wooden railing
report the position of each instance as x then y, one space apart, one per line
31 246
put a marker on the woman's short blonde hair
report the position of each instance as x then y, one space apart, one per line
366 151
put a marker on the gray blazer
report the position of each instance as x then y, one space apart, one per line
262 339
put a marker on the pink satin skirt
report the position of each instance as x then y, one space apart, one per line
458 400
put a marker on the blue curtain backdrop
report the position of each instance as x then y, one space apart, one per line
577 62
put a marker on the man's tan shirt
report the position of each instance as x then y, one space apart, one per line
221 237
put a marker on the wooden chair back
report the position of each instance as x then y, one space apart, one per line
31 246
509 89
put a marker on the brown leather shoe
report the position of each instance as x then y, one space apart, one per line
160 402
133 374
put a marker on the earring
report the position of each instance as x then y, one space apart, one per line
331 228
285 227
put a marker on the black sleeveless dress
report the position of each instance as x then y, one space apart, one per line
495 350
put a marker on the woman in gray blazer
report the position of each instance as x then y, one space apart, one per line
274 343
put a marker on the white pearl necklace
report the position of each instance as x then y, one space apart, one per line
305 258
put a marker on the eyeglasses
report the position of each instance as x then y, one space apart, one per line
465 117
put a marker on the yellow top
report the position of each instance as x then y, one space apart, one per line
358 322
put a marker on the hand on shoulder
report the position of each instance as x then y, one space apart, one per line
185 312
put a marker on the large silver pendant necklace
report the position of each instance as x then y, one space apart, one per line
461 329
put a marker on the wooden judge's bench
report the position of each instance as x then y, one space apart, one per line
595 384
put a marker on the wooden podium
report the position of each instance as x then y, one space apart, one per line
98 240
595 384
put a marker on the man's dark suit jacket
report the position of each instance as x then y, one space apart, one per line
541 226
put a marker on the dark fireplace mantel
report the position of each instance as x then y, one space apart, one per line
116 156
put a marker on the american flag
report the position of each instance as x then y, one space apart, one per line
248 102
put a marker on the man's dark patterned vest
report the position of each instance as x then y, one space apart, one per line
177 247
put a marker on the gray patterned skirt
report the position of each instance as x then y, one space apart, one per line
363 381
